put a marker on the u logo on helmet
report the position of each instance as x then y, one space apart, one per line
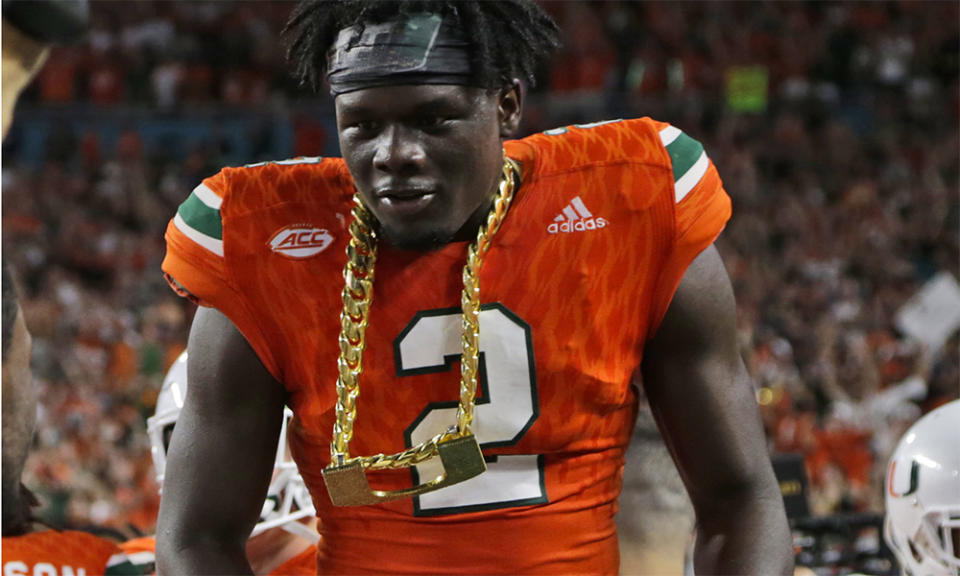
895 483
922 524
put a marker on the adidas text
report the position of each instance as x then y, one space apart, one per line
577 225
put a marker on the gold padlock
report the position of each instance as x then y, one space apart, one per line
347 484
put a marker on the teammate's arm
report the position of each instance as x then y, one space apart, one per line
221 454
704 404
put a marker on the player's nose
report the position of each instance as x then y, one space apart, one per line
398 151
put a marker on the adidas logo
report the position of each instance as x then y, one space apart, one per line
575 218
300 241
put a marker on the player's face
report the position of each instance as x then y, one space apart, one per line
426 159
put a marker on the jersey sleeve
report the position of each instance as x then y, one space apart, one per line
195 265
78 552
139 555
121 564
303 564
701 210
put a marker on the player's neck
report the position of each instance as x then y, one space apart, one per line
468 232
269 550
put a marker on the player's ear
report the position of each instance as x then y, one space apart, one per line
510 108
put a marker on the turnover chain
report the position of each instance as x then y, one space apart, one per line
357 298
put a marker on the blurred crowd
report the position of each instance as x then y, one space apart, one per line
833 125
170 54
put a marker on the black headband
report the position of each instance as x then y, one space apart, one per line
416 49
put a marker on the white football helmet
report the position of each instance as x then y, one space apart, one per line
923 495
288 499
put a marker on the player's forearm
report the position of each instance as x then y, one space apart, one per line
747 534
202 556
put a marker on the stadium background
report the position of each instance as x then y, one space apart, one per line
833 125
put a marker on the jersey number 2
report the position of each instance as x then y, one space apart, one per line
506 407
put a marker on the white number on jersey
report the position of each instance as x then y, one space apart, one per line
506 407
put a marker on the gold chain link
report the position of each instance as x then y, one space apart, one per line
357 297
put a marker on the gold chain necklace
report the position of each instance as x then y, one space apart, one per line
457 447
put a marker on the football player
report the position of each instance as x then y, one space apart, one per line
551 269
922 524
283 542
27 546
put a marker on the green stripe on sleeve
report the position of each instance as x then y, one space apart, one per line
127 568
684 153
201 217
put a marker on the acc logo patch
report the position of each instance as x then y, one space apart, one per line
300 241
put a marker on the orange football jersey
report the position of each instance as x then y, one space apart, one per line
606 221
60 553
303 564
141 552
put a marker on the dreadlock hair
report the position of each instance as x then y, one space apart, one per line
509 38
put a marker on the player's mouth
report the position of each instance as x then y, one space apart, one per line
404 202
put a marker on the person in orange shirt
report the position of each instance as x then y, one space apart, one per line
29 28
284 541
26 547
552 269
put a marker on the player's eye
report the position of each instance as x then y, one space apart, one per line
432 121
366 126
